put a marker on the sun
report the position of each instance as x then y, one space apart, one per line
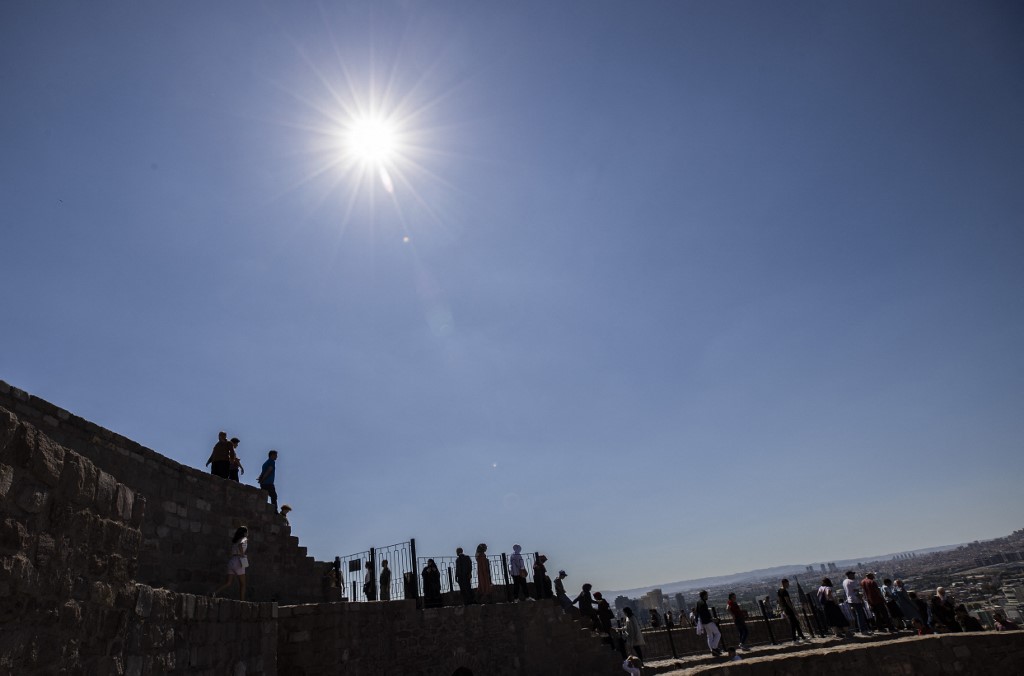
372 140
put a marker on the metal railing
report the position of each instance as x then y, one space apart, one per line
360 573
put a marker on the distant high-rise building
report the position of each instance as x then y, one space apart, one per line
823 568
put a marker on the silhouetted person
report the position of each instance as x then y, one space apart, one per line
236 462
370 583
385 581
483 573
464 576
560 595
431 585
786 606
517 567
267 476
605 616
540 578
220 457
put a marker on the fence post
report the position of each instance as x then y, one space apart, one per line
504 572
415 573
767 622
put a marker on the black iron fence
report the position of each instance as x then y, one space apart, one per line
360 574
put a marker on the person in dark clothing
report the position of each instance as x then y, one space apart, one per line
605 616
464 576
221 457
370 583
943 615
268 476
586 604
541 581
739 617
236 462
385 581
876 601
966 621
703 615
786 606
431 585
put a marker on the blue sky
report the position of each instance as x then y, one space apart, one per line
663 289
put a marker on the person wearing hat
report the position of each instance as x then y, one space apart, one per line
560 595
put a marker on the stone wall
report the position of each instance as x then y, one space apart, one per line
394 639
974 654
70 539
686 641
189 516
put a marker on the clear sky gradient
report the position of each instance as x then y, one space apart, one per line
664 289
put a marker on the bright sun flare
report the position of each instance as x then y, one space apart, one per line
372 140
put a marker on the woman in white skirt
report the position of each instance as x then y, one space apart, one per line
238 562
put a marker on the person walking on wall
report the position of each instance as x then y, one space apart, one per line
464 576
237 562
605 616
517 567
706 623
586 604
236 462
540 578
483 573
786 606
633 634
385 581
221 457
267 476
560 595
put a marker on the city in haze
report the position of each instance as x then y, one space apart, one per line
663 290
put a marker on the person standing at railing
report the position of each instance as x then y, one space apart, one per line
370 583
432 585
464 576
385 581
706 624
856 602
518 569
786 606
483 574
739 618
540 578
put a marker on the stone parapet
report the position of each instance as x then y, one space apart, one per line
395 639
189 515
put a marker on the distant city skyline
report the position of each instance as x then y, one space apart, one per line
662 290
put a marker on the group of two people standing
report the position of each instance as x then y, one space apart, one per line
225 463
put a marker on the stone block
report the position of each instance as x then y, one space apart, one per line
45 549
47 457
50 420
298 636
138 510
6 480
78 480
8 429
144 600
106 488
31 500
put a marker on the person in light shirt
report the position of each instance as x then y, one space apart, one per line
856 601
